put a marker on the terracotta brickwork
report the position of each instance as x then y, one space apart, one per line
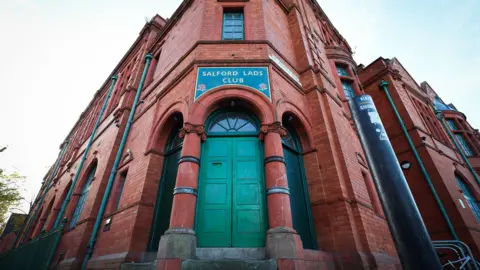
415 104
301 49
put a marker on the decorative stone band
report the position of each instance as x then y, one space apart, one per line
273 127
189 159
180 231
191 128
278 190
274 159
185 190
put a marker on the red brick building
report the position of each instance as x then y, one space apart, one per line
452 179
242 146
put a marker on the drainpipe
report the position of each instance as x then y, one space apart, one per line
106 195
42 198
384 86
464 157
85 154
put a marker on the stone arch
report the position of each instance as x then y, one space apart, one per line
288 111
166 121
215 99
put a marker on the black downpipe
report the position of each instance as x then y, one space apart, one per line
406 225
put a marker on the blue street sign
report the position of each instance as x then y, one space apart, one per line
209 78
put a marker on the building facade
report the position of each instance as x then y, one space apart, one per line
447 147
241 137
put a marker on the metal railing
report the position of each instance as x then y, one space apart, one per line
35 254
464 257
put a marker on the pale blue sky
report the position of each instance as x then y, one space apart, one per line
55 54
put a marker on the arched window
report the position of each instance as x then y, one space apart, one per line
232 122
83 197
164 201
299 197
469 197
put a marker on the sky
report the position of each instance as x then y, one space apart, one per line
55 54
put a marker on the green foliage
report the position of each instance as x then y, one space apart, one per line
9 193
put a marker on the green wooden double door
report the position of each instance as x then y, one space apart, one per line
231 200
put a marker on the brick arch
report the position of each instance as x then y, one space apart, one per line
210 101
46 215
161 130
58 205
302 124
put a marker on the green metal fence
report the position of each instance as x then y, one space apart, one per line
35 254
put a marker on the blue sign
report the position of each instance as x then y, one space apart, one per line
209 78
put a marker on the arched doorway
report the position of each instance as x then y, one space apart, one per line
231 193
297 184
163 205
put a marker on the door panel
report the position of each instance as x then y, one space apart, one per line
249 223
298 202
231 202
163 206
215 195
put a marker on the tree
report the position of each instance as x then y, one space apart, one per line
9 193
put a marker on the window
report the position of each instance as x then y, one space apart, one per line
83 198
467 193
290 141
348 89
451 124
123 178
341 71
464 145
232 25
229 122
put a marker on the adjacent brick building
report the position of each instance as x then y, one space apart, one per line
242 138
455 184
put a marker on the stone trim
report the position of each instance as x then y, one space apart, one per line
180 231
191 159
185 190
274 159
278 190
273 127
191 128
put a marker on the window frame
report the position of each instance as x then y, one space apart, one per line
469 196
77 212
233 10
346 79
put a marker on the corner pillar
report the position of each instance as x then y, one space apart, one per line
283 242
179 241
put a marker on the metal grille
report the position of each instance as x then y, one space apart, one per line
35 254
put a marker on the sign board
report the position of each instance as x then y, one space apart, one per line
209 78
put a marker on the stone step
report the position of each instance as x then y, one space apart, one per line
138 266
231 253
229 264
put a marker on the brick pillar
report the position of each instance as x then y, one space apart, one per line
283 241
179 241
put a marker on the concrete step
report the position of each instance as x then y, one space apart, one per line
138 266
229 265
231 253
